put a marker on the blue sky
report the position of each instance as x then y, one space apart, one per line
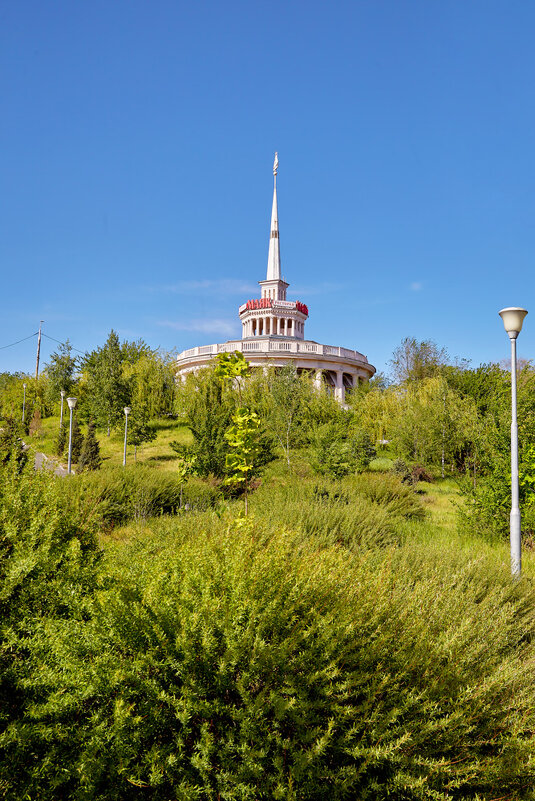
136 148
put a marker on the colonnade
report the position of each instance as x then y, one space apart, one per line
271 325
335 378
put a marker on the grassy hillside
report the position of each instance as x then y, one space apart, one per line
156 454
344 640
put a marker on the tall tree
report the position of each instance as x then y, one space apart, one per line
284 408
107 390
207 406
151 380
61 372
414 361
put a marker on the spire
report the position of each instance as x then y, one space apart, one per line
274 256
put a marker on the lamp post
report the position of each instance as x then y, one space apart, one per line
23 402
71 403
513 318
62 393
127 411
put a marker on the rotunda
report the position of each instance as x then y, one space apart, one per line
273 331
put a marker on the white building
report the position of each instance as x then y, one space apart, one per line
273 332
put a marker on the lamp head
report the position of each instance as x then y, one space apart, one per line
127 410
513 317
62 393
24 385
71 402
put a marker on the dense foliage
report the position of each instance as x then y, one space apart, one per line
211 660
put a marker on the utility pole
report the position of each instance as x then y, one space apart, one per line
38 351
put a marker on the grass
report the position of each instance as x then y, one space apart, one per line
157 454
441 498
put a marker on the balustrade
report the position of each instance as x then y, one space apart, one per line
266 344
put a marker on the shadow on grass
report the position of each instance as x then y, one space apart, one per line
164 457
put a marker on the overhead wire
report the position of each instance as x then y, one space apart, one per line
61 343
2 347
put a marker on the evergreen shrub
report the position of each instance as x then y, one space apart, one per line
233 668
90 458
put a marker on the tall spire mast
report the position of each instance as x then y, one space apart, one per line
274 256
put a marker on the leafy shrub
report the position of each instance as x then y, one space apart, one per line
11 443
401 470
125 493
488 503
327 514
335 451
420 473
357 511
410 475
48 558
231 668
389 492
36 424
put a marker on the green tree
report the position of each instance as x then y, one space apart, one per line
414 361
207 406
77 439
90 458
284 407
435 425
338 451
61 373
61 441
151 381
139 430
376 412
245 456
11 449
107 391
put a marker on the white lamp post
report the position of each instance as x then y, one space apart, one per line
62 393
513 318
127 411
71 403
23 402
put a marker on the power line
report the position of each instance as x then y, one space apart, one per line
3 347
61 343
19 340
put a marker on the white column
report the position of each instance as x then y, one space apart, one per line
318 380
339 390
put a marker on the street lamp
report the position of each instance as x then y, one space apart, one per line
513 318
127 411
62 393
23 402
71 403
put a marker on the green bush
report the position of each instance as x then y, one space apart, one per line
357 511
11 443
227 667
139 492
337 451
390 492
331 512
48 558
